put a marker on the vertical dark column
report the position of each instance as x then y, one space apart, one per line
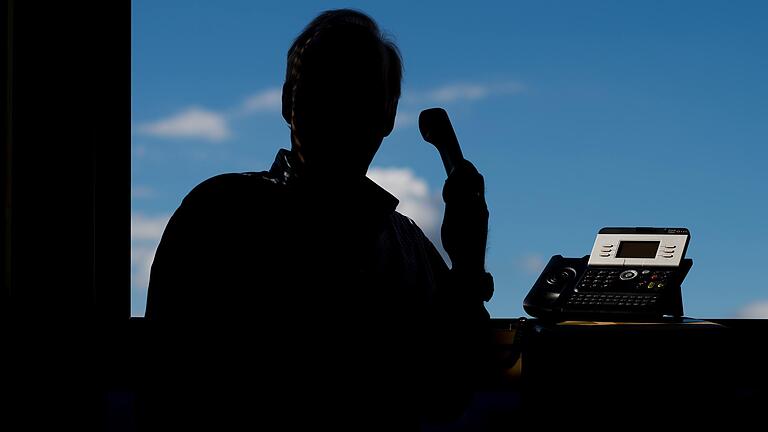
67 149
5 157
110 135
66 201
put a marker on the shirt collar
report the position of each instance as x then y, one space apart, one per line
286 169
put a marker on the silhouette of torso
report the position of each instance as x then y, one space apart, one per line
282 300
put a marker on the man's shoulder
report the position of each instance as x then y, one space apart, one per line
230 187
401 219
407 227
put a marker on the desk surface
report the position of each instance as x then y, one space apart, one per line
701 370
615 375
716 368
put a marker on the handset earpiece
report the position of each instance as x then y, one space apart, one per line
436 129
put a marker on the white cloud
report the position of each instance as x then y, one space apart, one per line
200 123
146 232
758 309
462 92
531 263
270 99
141 264
458 92
142 192
416 200
147 227
193 122
405 119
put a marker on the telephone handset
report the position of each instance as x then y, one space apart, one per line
436 129
631 274
465 224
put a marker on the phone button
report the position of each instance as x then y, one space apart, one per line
628 275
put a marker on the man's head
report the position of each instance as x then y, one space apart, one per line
340 94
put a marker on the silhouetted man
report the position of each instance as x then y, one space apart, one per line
299 295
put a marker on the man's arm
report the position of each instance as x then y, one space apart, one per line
458 342
460 324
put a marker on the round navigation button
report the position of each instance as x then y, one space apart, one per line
628 275
561 276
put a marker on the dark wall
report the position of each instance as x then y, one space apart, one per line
66 210
66 160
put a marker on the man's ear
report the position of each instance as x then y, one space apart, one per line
390 112
287 102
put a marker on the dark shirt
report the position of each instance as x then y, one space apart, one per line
307 305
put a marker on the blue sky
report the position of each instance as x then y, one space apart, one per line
580 115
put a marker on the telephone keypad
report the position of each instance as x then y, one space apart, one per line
580 299
603 280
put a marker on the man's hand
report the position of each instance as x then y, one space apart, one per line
465 224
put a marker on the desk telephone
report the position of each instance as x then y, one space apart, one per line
631 274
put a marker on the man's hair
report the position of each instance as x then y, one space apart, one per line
358 22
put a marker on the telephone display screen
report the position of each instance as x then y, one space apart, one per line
637 249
